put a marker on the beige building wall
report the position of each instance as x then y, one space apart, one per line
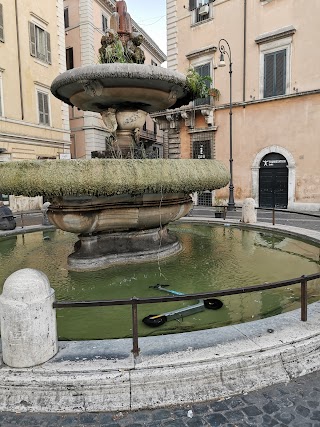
83 35
284 123
24 73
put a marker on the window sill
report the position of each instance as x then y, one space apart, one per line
205 21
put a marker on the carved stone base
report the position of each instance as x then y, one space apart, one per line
102 250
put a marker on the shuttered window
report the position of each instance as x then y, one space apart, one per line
1 24
66 17
40 46
104 23
275 74
1 99
69 58
203 70
43 108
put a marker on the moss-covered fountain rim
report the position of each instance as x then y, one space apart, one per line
107 177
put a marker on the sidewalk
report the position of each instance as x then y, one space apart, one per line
295 404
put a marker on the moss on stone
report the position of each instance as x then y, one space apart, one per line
99 177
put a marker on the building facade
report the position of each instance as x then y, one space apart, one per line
272 93
86 21
33 124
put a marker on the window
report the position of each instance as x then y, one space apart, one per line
1 97
69 58
274 74
201 150
203 70
40 46
201 8
153 63
275 61
43 108
1 24
104 23
66 17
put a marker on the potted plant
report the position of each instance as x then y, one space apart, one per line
220 208
215 93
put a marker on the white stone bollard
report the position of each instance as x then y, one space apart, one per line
249 214
27 319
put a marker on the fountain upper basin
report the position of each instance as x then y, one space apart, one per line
99 87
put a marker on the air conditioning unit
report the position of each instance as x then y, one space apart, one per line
204 10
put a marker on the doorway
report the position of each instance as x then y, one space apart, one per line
273 181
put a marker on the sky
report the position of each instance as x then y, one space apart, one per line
150 15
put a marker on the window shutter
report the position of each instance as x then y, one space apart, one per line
48 47
69 58
66 17
280 66
268 75
32 38
192 4
1 112
46 108
40 107
1 24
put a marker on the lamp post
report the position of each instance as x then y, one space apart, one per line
223 51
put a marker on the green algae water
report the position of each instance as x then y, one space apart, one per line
213 258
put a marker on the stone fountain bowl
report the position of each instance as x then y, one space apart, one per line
99 87
113 194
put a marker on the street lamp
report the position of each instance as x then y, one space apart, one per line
223 51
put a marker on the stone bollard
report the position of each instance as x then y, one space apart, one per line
249 214
27 319
44 209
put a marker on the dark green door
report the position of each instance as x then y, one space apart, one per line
273 182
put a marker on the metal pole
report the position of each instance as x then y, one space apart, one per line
135 335
304 299
231 205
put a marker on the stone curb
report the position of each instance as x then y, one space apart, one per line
173 369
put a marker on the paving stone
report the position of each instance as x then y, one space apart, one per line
285 417
315 416
175 423
234 415
313 404
235 402
195 422
251 411
215 420
302 410
270 408
269 421
218 406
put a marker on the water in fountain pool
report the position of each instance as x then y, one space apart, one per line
213 258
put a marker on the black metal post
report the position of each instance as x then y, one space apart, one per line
223 51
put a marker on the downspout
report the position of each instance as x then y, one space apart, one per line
244 50
19 61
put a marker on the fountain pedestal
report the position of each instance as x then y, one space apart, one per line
119 229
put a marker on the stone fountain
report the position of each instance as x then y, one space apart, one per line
119 203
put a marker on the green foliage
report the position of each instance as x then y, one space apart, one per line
199 86
99 177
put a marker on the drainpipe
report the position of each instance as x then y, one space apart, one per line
244 49
19 61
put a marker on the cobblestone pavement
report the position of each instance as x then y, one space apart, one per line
295 404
